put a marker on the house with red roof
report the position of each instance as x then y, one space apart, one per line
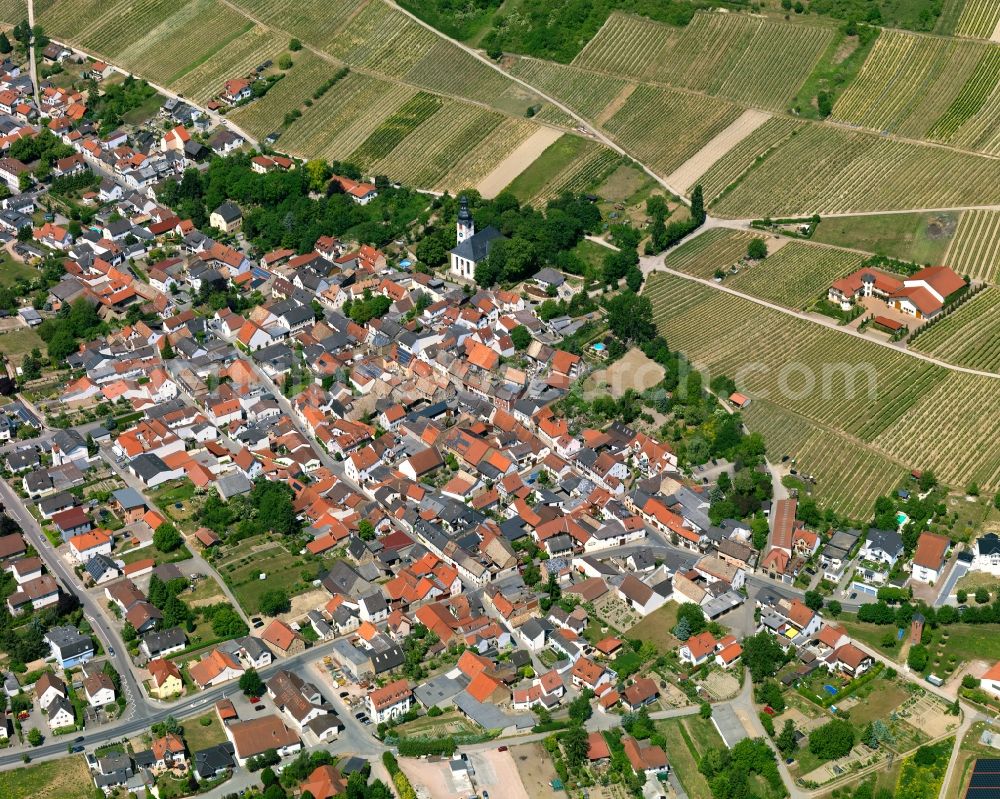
929 557
990 681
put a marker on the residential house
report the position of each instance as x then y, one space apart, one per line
390 701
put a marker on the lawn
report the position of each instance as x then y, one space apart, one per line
142 553
917 237
66 778
656 628
18 343
687 739
242 571
201 736
871 634
592 255
556 157
205 591
11 271
881 699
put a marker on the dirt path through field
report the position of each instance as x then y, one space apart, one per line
615 105
996 33
517 161
697 165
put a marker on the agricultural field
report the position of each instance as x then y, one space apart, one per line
67 778
849 476
749 59
714 249
922 238
728 169
909 80
571 163
389 134
975 249
796 275
980 19
310 20
267 114
878 400
970 120
825 170
13 11
664 128
970 336
460 141
340 121
627 45
585 92
958 410
200 82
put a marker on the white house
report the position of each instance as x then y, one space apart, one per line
60 714
990 681
99 690
929 557
882 546
389 702
986 557
698 649
640 597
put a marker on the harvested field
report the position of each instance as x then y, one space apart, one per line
632 371
688 174
523 156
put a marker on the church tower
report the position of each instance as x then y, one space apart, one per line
466 227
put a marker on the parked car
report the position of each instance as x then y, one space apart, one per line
502 748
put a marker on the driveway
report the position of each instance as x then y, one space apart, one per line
958 571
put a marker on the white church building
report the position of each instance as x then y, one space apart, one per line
472 247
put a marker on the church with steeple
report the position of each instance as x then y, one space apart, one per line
472 247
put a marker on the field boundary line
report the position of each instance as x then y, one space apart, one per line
586 125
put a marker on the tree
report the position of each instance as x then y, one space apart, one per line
824 104
521 337
982 595
834 739
168 351
682 630
813 600
167 538
575 745
128 632
918 657
295 45
251 684
366 530
34 737
284 61
698 205
760 530
705 711
962 596
834 608
5 46
274 601
786 739
757 249
630 317
762 655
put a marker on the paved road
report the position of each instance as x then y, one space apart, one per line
92 608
